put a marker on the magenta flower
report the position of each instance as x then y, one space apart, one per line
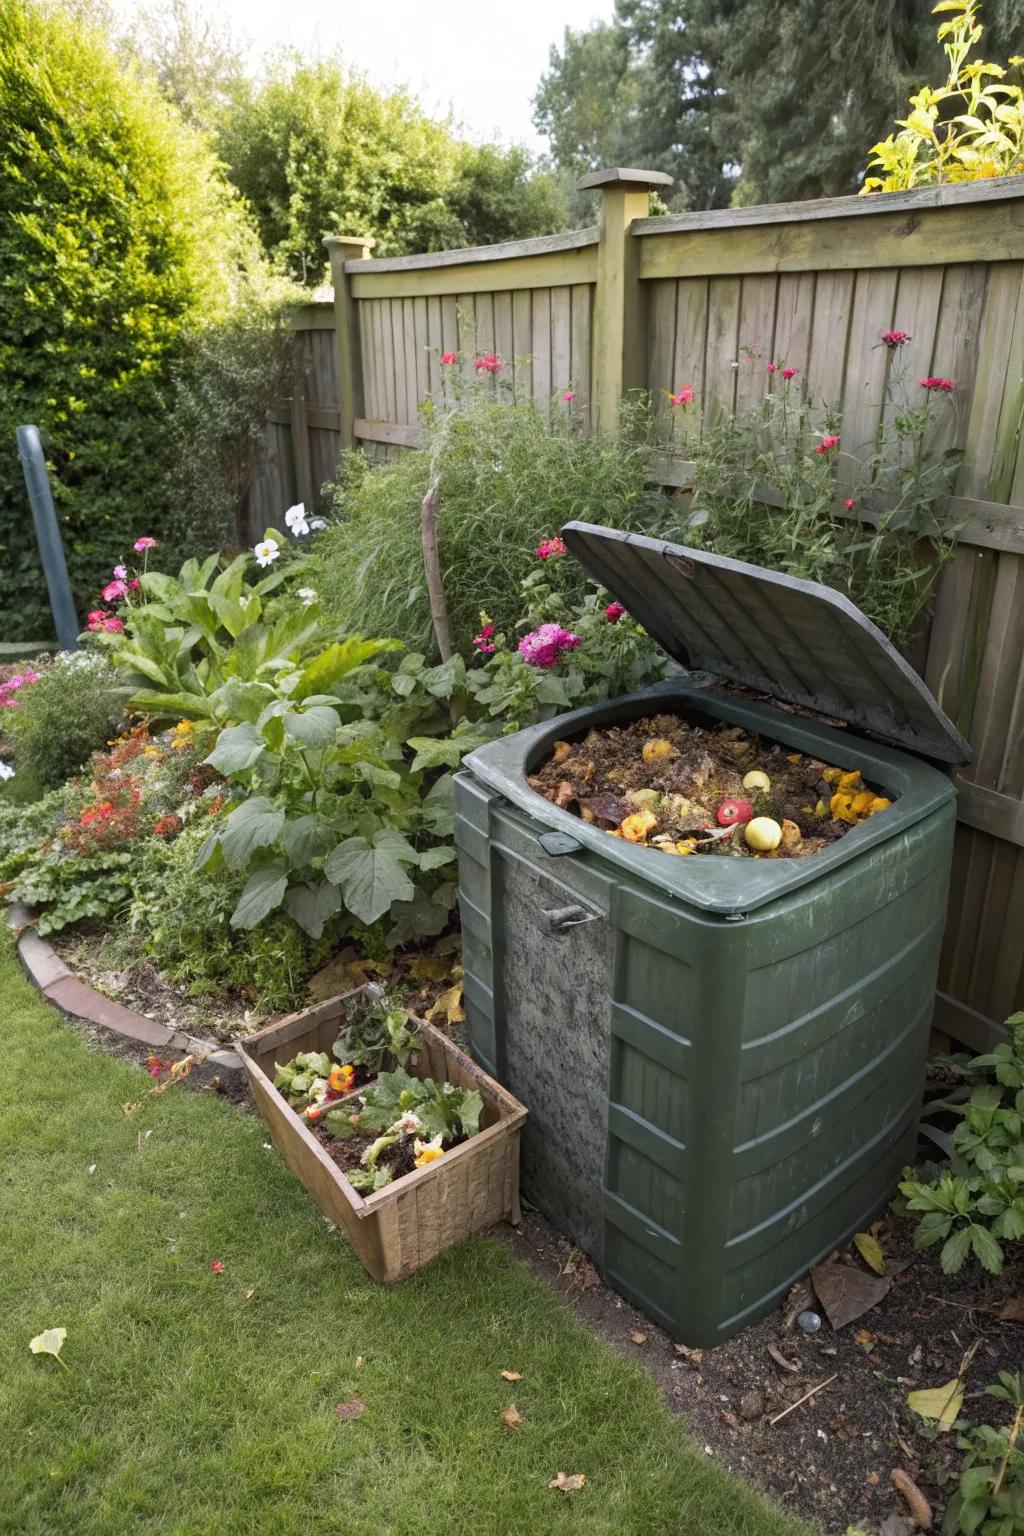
848 504
448 358
105 622
946 385
613 613
684 396
790 373
113 590
483 641
134 585
489 363
549 547
827 443
543 647
144 543
770 367
569 396
895 338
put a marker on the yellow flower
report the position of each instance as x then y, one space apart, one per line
425 1152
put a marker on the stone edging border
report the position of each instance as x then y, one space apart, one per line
65 991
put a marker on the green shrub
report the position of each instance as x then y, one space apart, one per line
508 480
59 721
118 235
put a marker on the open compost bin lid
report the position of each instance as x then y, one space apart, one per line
794 640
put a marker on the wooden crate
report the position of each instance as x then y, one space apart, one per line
399 1228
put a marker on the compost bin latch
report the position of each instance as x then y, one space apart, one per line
558 920
555 843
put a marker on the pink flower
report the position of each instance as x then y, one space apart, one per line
105 622
144 543
134 585
827 443
790 373
483 641
613 613
895 338
120 574
549 547
570 395
217 1265
449 358
543 647
489 363
684 396
936 383
770 367
848 504
113 590
96 618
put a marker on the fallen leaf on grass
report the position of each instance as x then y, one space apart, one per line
249 1295
512 1417
217 1265
568 1484
50 1342
353 1409
91 1168
359 1362
846 1293
920 1509
638 1338
942 1404
870 1250
512 1375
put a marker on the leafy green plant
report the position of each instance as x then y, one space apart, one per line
508 478
979 1205
377 1031
772 484
990 1498
55 724
969 128
442 1109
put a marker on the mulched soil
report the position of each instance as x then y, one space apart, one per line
681 772
347 1152
831 1459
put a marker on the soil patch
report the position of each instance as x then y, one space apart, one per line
684 787
831 1459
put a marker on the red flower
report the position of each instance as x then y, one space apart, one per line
895 338
217 1266
448 358
946 385
848 504
549 547
613 613
167 826
770 367
489 363
790 373
684 396
828 442
483 641
570 395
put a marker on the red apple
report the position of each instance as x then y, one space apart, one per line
733 813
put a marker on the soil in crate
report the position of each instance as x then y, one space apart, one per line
685 787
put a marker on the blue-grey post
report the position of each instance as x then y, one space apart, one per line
51 548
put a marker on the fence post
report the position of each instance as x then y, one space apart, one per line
620 323
342 248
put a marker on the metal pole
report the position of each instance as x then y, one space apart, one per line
51 547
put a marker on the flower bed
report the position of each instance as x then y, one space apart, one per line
414 1216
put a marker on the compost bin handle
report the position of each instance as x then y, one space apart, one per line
558 920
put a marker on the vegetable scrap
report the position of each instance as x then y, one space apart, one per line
685 788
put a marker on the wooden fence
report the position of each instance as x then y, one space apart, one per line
706 299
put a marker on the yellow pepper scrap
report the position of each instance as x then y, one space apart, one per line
635 829
658 749
879 803
863 802
851 780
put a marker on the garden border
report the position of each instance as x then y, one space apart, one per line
64 990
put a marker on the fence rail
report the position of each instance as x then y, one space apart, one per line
641 303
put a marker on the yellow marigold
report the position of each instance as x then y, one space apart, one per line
342 1078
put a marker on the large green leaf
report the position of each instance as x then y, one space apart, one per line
236 701
264 891
254 824
190 706
302 839
371 875
312 905
314 727
320 674
237 748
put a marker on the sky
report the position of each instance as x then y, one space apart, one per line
481 60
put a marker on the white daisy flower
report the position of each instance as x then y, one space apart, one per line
267 552
308 596
7 772
295 515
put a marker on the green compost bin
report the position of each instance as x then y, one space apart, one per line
723 1060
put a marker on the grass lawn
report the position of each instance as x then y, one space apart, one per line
188 1410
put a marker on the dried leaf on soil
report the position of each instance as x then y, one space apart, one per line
870 1250
695 1356
1012 1311
570 1484
846 1293
448 1007
639 1338
920 1509
512 1375
781 1359
942 1404
353 1409
512 1417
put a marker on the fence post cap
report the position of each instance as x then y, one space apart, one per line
362 243
624 174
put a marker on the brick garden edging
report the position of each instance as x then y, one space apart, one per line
65 991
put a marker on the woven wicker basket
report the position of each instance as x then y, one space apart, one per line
399 1228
